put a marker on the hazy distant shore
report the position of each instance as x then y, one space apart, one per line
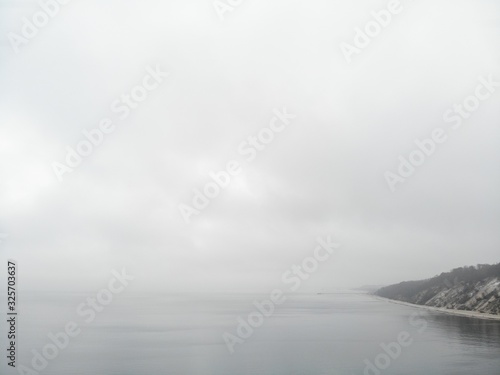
469 314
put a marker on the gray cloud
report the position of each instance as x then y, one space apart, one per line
323 175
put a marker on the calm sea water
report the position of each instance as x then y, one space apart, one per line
308 334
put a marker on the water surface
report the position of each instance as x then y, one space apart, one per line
308 334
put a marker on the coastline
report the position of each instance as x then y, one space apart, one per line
468 314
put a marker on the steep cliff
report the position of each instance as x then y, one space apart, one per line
466 288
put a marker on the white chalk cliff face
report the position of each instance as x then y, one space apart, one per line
482 296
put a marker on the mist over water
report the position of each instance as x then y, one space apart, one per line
154 152
308 334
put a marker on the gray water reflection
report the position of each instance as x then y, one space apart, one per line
309 334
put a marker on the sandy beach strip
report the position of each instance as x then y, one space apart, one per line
469 314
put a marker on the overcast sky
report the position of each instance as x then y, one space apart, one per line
324 174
